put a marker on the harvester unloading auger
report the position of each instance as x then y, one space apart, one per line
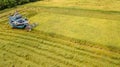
17 21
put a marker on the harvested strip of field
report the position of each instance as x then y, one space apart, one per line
65 54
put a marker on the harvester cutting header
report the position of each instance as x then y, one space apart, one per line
17 21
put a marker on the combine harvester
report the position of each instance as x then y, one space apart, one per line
17 21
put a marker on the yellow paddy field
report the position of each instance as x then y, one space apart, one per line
71 33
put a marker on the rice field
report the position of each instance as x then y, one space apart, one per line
71 33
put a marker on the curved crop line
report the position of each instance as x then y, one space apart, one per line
18 57
69 41
49 57
28 49
14 52
55 40
34 50
50 43
14 58
22 38
45 43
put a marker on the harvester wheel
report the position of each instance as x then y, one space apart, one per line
28 28
13 28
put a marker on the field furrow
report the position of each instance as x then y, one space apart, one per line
56 43
39 47
39 52
13 56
